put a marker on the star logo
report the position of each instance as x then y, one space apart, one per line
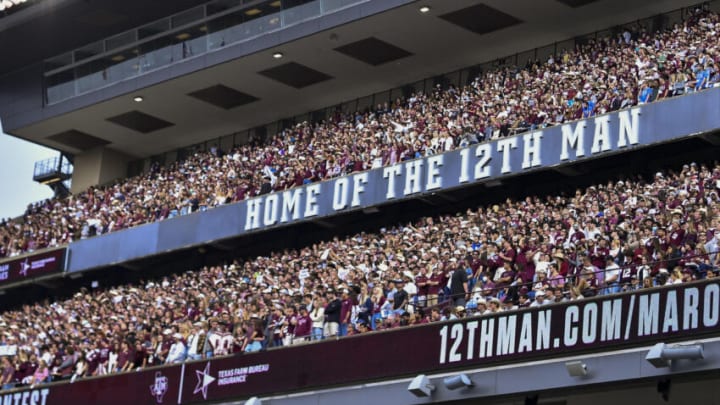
204 380
24 267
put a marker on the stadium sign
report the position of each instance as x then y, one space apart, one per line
502 157
32 266
495 160
597 324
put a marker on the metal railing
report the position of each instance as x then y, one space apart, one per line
171 40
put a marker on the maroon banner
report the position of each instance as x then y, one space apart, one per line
32 266
151 387
589 325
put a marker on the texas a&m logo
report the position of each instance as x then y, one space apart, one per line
159 387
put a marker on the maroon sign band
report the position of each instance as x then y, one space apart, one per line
32 266
589 325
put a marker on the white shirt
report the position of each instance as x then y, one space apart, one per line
176 353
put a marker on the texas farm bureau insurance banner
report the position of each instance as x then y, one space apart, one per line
32 266
590 325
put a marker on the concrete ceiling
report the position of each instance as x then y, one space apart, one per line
72 24
435 46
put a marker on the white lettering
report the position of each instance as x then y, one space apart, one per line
358 187
526 340
471 328
291 204
456 333
271 210
572 314
434 180
648 313
574 139
532 148
504 146
670 320
506 335
710 306
611 320
413 173
464 163
311 207
589 324
690 309
390 173
443 343
487 332
601 139
543 330
629 128
482 168
252 219
340 194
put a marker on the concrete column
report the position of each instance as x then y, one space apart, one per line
97 167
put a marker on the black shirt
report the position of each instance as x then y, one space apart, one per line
459 276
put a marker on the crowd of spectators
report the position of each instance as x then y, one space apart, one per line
602 75
617 236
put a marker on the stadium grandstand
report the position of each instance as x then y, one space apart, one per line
391 201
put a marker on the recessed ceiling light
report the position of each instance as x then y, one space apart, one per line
424 9
138 99
278 55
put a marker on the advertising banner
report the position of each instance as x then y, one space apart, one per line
589 325
32 266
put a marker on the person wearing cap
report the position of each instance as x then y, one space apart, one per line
196 341
482 307
332 314
460 311
540 299
177 350
399 297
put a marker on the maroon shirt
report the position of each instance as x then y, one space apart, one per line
435 289
139 357
422 289
302 328
676 237
345 308
123 357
